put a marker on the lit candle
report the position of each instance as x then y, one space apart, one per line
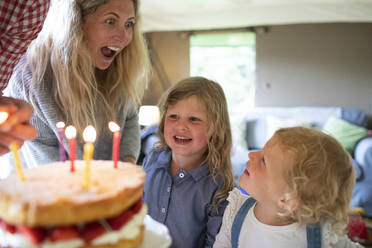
116 142
70 135
14 149
3 116
89 136
60 125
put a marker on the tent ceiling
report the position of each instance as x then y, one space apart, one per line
173 15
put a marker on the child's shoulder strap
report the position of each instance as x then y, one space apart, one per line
238 221
313 232
314 235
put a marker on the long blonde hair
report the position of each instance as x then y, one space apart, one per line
219 145
321 178
60 54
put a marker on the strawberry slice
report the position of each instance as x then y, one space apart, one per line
117 222
63 233
92 231
137 206
36 235
7 227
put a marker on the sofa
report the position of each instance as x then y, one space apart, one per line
347 125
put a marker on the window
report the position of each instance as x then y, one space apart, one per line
230 60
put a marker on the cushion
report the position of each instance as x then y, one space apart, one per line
274 123
256 128
355 116
363 154
259 131
345 132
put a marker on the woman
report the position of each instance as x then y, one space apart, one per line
88 66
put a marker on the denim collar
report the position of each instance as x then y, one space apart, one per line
198 173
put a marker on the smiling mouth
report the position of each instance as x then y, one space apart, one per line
109 52
180 139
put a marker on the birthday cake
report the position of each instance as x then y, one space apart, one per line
51 208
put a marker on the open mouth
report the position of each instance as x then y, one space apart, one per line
181 140
109 52
246 172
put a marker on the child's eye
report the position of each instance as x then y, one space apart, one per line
110 21
173 117
193 119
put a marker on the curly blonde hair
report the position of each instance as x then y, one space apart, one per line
219 145
321 179
60 55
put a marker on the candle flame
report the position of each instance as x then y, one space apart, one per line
113 126
70 132
60 124
89 134
3 117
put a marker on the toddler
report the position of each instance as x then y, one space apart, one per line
300 185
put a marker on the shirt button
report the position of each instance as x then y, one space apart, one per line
168 189
181 175
163 210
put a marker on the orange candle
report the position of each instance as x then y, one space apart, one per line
116 142
89 136
70 135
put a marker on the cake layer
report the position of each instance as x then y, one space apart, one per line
128 233
123 243
53 196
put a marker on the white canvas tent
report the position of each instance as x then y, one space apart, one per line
173 15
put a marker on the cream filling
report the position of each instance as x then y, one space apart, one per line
128 231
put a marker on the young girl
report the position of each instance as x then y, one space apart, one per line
88 66
189 173
300 186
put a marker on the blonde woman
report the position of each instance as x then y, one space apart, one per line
300 187
189 172
88 66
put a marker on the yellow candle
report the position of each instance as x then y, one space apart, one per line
14 149
88 153
89 136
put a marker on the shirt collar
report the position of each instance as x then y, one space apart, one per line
197 173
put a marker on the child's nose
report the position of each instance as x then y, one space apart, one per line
254 154
182 124
251 155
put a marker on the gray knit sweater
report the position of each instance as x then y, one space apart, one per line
45 148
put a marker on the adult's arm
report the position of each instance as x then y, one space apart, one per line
20 23
130 138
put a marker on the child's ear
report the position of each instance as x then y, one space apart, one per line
288 203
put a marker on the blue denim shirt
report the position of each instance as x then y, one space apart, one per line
183 203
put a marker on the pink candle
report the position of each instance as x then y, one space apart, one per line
71 134
60 125
116 142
